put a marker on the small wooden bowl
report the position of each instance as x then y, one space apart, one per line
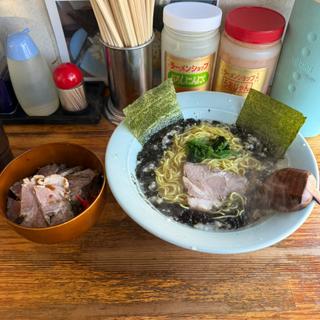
27 164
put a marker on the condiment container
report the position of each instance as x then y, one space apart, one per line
189 44
129 76
5 151
297 78
69 81
249 50
30 76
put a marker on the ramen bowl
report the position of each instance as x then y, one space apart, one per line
121 157
27 164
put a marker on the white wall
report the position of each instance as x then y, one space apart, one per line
15 15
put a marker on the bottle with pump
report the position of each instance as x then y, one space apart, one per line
30 76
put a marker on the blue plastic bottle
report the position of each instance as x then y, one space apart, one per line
297 79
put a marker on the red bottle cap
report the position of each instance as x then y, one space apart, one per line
67 76
255 25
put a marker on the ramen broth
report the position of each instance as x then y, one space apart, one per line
161 166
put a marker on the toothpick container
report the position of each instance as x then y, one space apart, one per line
70 85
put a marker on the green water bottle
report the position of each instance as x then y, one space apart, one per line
297 78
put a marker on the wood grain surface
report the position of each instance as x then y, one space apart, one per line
119 271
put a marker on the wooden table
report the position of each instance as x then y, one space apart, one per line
119 271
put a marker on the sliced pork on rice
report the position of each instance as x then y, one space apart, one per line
54 195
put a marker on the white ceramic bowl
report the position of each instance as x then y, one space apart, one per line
121 162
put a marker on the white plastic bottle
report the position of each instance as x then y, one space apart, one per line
30 76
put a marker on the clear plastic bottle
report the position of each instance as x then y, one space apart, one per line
30 76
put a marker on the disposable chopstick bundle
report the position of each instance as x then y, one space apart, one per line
124 23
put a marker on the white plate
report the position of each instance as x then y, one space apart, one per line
120 166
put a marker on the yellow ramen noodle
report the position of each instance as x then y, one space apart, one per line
170 171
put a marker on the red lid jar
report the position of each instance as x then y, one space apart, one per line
249 50
255 25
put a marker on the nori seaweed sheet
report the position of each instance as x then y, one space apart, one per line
272 121
156 109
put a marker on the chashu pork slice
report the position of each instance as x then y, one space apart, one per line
30 209
13 209
78 180
208 188
289 189
48 170
16 189
53 198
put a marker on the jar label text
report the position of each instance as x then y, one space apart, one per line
237 80
190 74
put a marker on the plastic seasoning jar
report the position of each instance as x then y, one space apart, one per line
249 50
189 44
